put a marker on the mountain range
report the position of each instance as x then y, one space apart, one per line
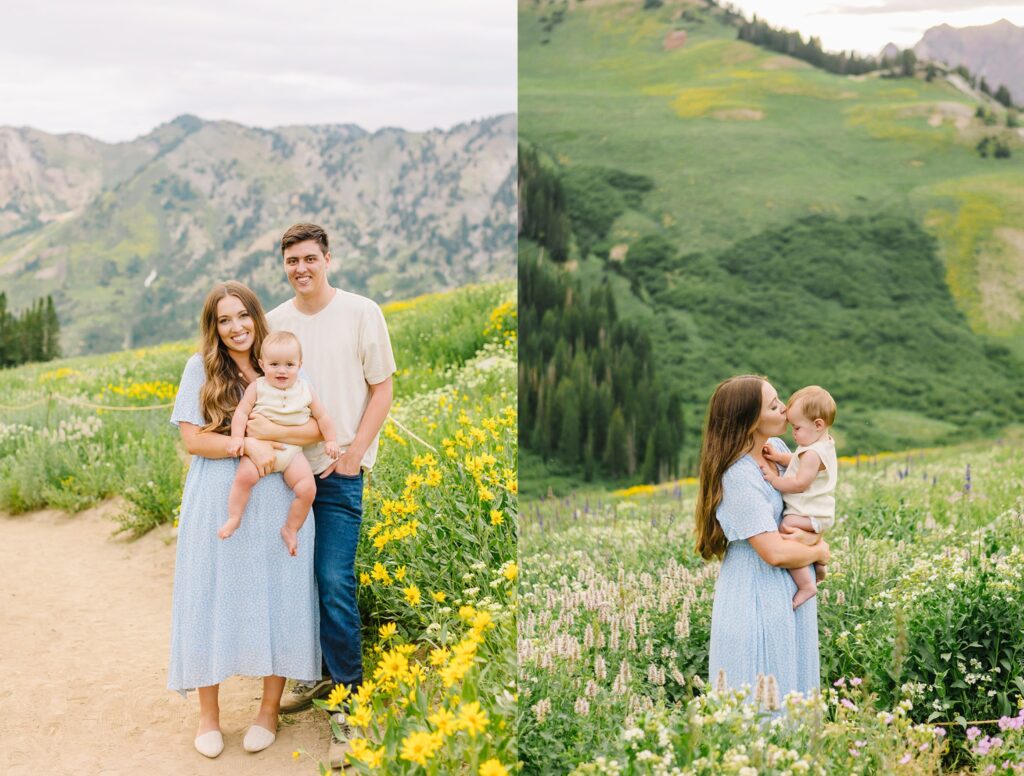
993 51
128 237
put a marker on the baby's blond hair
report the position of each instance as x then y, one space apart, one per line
282 338
815 403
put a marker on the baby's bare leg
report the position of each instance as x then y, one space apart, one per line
799 527
806 588
299 477
246 476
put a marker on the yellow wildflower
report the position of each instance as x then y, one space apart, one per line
433 477
420 746
444 721
496 517
483 621
362 717
359 748
438 596
387 630
381 574
412 595
400 573
493 768
511 572
439 655
364 578
473 718
486 494
392 666
337 696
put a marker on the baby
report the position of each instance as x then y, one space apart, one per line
810 479
282 397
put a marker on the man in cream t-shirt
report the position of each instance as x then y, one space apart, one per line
346 353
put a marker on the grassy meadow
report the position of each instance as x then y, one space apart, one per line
919 619
739 139
437 560
895 249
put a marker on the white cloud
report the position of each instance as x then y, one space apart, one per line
116 69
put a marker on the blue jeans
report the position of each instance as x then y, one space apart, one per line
338 512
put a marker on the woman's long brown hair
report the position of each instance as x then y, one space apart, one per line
224 384
733 413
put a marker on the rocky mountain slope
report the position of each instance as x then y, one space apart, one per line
128 237
995 51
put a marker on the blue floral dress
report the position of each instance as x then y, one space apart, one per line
242 605
754 629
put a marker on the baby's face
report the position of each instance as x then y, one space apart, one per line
280 364
805 432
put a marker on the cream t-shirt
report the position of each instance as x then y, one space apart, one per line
345 349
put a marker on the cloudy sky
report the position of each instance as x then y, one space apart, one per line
115 69
867 25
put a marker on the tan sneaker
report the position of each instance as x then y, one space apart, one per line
301 694
339 743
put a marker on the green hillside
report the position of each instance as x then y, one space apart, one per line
809 226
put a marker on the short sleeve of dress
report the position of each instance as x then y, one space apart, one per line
186 403
745 509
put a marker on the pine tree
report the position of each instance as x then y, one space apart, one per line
51 344
569 433
615 452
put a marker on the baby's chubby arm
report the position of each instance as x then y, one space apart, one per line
237 445
810 462
327 429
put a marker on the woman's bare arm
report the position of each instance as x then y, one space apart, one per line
210 444
776 551
262 428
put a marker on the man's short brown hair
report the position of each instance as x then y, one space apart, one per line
815 403
302 232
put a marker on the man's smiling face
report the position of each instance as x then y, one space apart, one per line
306 264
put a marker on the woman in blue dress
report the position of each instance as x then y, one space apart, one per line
241 605
754 629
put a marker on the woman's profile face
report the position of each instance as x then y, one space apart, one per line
234 324
772 421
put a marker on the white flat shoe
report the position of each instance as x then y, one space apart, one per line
210 743
257 739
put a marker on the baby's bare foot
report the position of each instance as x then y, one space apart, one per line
803 595
819 572
291 539
229 527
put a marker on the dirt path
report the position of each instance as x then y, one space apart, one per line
84 633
